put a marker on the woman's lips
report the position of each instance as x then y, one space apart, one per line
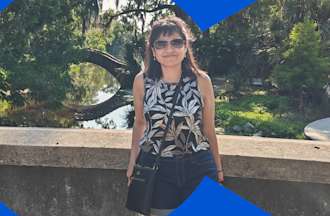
168 56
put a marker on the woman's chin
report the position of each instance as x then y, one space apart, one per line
170 64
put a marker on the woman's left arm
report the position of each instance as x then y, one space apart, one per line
209 123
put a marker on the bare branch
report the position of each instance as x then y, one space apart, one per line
173 8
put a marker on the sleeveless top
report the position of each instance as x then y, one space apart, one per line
184 134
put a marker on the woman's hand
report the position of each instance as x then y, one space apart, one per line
221 177
129 173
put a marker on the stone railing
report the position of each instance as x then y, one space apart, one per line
69 172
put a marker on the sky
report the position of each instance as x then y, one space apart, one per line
111 4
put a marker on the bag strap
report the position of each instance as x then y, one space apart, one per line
170 117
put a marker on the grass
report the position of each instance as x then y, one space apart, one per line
4 106
270 116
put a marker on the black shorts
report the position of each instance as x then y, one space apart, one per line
178 176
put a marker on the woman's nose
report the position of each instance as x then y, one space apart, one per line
168 48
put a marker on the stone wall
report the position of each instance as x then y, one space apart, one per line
78 172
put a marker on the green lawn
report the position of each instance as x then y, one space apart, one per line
268 116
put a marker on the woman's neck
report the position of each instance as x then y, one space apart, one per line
171 74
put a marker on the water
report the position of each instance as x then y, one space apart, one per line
100 86
114 120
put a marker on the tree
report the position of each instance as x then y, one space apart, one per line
304 70
237 47
37 50
3 83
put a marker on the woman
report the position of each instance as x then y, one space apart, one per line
190 150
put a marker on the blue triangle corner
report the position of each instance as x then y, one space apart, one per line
212 198
3 5
5 211
210 12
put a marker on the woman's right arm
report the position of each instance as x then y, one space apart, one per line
139 122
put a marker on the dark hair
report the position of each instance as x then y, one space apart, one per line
169 26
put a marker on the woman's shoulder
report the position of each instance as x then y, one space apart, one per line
139 76
204 85
138 85
203 79
139 79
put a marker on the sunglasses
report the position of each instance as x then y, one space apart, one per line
175 43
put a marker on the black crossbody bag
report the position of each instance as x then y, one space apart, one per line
140 191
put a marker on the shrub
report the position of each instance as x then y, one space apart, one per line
262 112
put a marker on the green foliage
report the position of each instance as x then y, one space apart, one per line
4 107
40 44
37 118
268 114
37 43
304 67
124 44
249 44
87 80
3 82
241 47
96 39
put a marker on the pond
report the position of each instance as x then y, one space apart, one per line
94 85
114 120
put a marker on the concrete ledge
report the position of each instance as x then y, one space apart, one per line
246 157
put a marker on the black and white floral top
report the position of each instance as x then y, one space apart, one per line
184 134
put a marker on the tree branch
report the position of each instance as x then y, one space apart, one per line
178 12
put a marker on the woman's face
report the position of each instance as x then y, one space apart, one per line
169 50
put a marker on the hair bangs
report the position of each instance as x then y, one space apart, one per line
166 29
